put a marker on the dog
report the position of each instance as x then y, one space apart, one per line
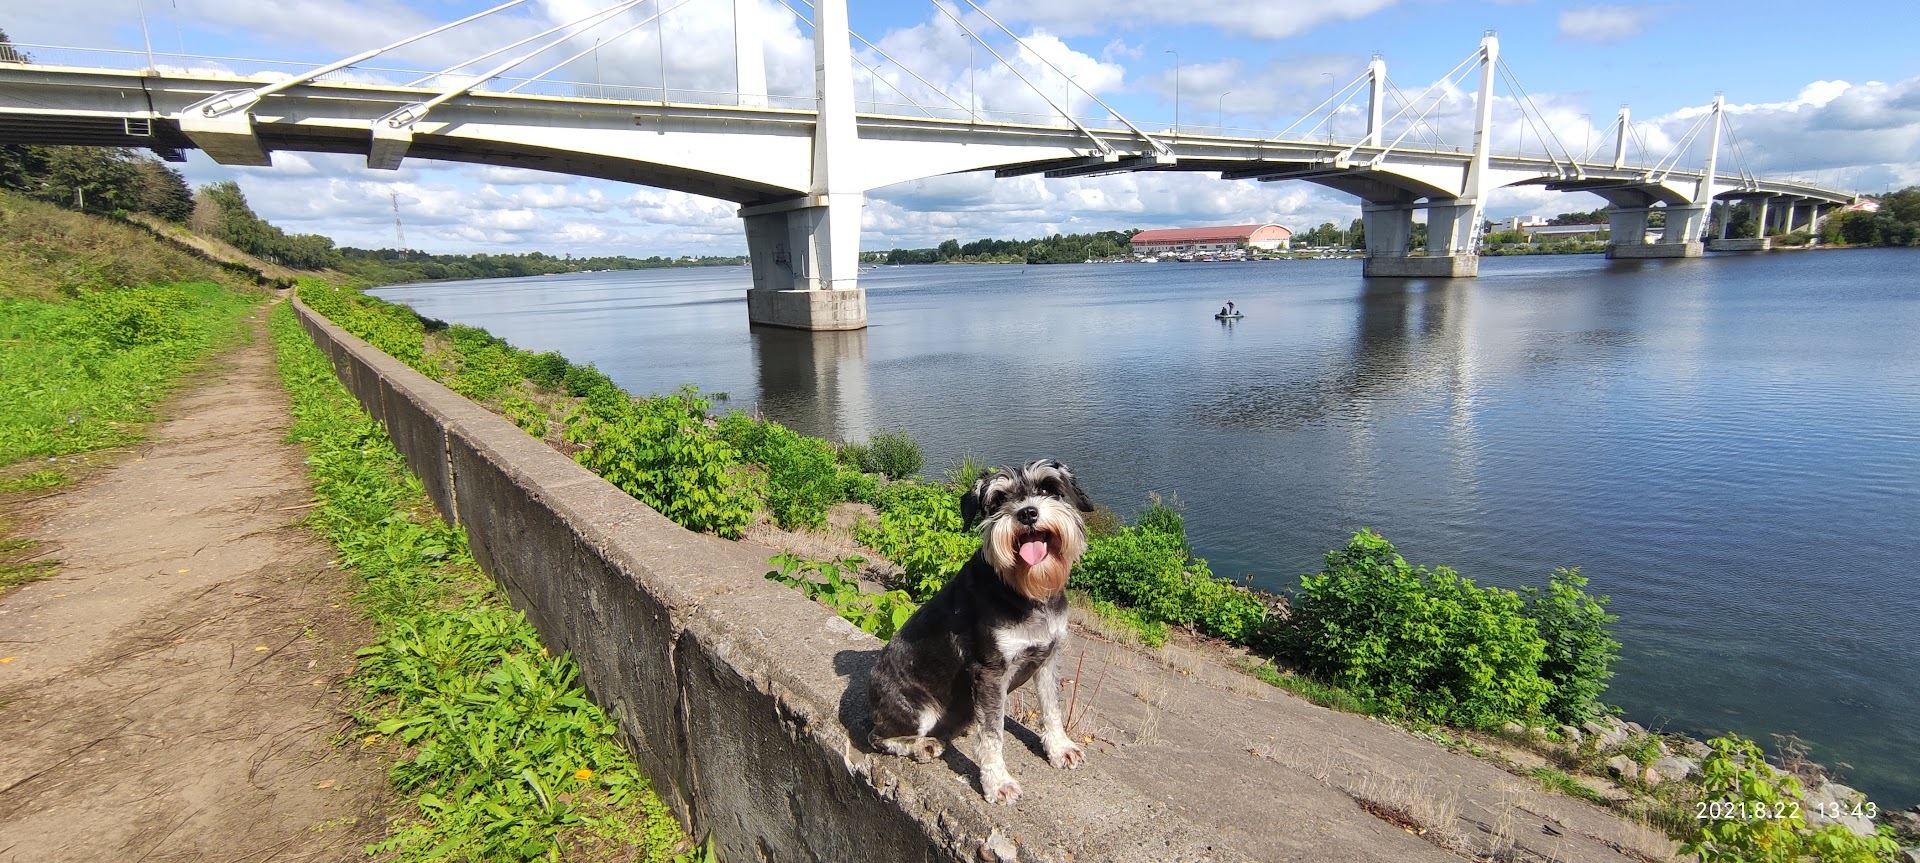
999 621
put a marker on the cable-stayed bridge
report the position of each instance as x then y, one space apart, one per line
801 164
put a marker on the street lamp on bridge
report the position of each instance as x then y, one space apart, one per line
1220 112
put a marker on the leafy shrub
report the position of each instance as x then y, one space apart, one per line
661 451
1765 823
855 485
802 479
590 383
1423 643
879 613
1151 569
1580 649
893 453
549 370
920 531
481 365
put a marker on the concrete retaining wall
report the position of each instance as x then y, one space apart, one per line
734 693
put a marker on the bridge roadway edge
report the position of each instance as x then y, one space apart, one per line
735 694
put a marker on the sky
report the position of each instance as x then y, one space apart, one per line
1825 94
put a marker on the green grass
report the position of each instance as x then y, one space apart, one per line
501 755
38 480
84 374
1554 780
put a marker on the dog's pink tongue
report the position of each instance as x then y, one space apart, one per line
1033 551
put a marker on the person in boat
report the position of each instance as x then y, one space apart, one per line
1230 309
1224 312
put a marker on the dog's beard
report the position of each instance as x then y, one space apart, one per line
1034 561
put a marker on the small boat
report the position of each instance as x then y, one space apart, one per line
1233 317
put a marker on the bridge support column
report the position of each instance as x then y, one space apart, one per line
805 255
1628 225
1390 232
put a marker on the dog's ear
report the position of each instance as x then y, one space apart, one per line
970 503
1074 493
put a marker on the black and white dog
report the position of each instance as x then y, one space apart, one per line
998 622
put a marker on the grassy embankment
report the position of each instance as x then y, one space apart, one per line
501 754
98 323
1371 633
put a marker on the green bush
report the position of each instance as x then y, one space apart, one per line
1151 569
661 451
549 370
920 531
1428 644
802 479
893 453
1760 818
1580 649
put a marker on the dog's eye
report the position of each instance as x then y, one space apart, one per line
1050 487
995 499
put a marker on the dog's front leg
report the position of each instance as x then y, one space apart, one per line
989 699
1060 749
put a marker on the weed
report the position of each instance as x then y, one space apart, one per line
881 614
1753 814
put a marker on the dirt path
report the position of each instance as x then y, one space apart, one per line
171 692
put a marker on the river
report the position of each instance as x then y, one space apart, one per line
1729 447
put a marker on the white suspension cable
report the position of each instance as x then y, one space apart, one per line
1465 64
602 14
1155 144
1337 94
1432 134
1526 100
1103 145
609 40
221 106
884 55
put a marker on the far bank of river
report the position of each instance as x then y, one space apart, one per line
1725 445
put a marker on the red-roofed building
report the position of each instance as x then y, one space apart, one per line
1181 241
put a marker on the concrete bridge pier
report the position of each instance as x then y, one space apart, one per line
1390 233
1628 225
805 255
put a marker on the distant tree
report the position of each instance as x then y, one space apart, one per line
949 250
164 192
1357 234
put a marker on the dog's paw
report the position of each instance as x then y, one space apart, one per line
1066 756
999 787
926 749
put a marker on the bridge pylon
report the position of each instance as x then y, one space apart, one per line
805 251
1453 224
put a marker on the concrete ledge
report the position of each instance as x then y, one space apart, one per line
1422 267
809 310
1752 244
1642 251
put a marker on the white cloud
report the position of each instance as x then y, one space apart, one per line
1604 23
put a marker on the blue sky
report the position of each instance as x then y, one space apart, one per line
1828 97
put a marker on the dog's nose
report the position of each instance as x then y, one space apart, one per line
1028 515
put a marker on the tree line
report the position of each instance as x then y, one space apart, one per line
395 266
1897 223
1056 249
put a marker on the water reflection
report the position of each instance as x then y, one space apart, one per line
815 382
